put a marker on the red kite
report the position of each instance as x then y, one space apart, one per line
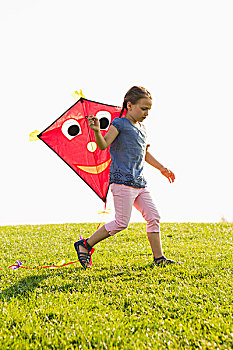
71 138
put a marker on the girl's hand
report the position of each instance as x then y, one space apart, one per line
94 123
168 174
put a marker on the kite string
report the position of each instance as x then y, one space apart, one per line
88 129
103 212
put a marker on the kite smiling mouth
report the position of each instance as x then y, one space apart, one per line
94 169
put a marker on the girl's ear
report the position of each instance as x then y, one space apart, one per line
129 105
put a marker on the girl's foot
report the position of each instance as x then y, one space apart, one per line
84 251
162 261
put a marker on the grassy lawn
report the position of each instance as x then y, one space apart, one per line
123 302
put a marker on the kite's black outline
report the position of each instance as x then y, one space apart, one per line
39 136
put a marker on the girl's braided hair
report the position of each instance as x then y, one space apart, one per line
134 95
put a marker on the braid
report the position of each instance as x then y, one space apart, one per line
123 108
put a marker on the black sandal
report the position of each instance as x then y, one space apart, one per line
84 258
163 261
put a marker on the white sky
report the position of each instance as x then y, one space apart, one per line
181 51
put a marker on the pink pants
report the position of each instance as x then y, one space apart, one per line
124 198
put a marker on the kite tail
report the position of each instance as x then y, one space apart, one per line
20 265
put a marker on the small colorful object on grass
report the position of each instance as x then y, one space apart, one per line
15 267
59 264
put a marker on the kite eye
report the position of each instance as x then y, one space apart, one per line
71 129
104 119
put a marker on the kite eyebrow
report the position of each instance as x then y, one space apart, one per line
73 115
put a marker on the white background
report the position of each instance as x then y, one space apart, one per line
181 51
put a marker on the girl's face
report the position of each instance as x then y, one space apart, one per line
139 111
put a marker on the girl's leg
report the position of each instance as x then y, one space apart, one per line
123 197
96 237
155 243
147 208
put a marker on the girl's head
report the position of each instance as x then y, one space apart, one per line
137 95
137 102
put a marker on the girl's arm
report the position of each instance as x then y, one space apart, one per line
102 141
152 161
166 172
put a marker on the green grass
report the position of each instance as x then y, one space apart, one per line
123 302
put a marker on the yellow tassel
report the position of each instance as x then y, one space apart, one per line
33 135
60 263
77 95
107 211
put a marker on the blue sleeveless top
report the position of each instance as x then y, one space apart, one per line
128 154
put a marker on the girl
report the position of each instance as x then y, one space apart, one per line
129 150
